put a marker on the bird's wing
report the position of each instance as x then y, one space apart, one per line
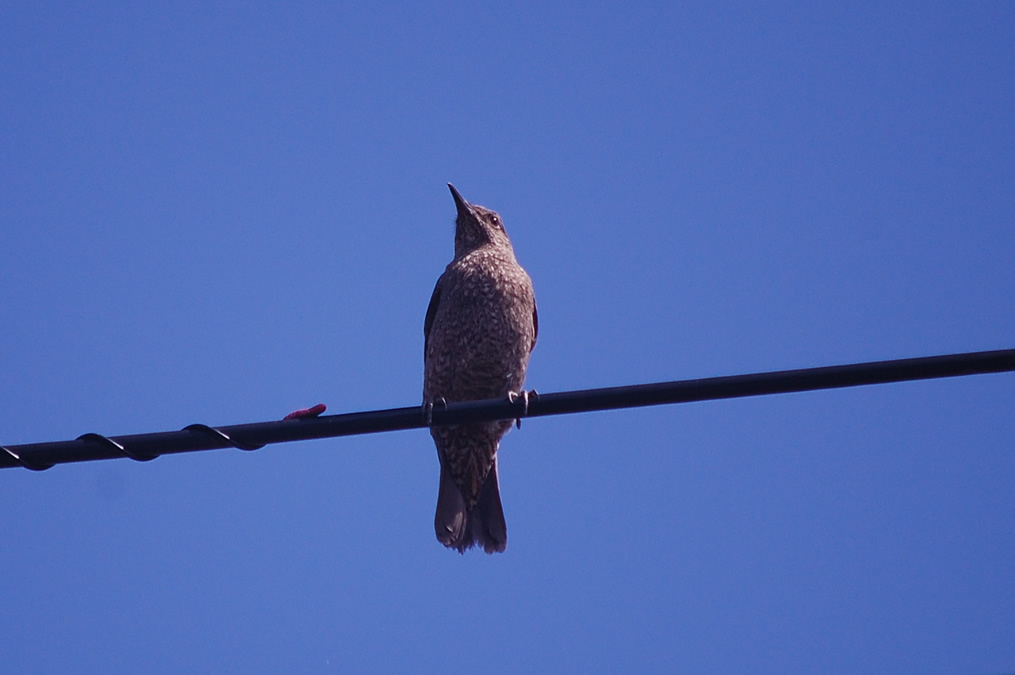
431 312
535 327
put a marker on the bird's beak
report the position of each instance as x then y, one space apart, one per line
464 207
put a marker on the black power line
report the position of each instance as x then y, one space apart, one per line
144 447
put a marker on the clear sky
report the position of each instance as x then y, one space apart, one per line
221 212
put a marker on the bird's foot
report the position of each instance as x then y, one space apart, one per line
428 409
526 396
304 413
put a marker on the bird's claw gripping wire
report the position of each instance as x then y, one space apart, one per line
428 409
526 396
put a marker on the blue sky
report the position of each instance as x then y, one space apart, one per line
219 213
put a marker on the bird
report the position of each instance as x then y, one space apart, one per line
480 328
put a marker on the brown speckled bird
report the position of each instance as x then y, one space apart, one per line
480 327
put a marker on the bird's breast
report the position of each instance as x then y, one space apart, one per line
478 346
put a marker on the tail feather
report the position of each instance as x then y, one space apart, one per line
489 529
461 528
451 519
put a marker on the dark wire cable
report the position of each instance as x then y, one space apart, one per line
144 447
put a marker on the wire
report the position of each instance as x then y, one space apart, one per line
145 447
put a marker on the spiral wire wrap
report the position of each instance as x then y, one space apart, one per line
223 436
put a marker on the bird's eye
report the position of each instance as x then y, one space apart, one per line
495 220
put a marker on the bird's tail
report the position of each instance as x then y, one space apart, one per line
461 528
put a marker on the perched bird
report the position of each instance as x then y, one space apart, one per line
480 327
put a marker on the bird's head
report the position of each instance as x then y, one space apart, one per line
476 226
